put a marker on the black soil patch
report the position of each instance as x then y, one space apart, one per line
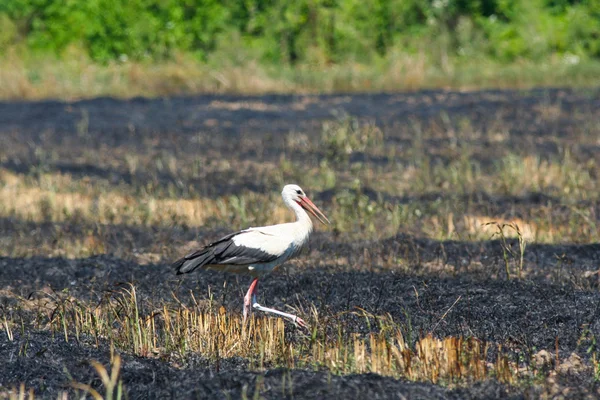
530 315
443 288
209 128
524 316
49 365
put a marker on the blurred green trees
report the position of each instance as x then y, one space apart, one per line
308 31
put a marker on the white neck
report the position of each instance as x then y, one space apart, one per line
302 218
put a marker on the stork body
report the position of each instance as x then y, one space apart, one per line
258 251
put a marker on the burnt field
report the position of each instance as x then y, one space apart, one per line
463 258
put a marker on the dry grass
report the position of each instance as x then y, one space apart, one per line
78 77
479 226
20 393
412 193
51 197
57 198
110 380
75 76
113 385
170 332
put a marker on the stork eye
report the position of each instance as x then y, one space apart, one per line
299 191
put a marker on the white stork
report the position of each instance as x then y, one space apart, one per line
258 251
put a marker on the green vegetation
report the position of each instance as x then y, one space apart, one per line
81 48
321 31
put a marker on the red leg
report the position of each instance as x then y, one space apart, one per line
248 298
250 303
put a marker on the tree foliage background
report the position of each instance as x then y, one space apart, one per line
303 31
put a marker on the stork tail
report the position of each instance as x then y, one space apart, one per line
192 261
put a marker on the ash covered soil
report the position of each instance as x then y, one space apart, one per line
529 315
556 307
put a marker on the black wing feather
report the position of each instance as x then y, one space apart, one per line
223 251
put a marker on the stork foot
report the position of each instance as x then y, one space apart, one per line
300 322
293 318
251 303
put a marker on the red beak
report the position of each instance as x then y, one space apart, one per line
314 210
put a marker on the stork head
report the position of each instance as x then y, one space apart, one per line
295 194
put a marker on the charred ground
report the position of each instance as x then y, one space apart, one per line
526 158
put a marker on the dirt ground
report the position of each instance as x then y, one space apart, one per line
556 308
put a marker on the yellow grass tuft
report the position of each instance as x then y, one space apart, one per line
20 393
486 227
53 200
171 332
